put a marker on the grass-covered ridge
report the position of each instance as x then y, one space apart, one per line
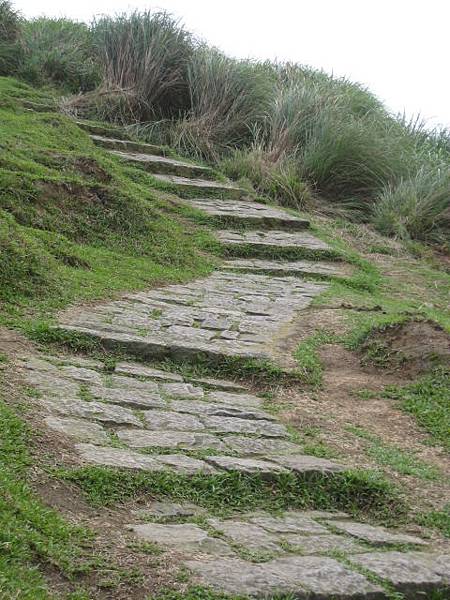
75 222
298 135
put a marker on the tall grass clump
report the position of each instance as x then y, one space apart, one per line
144 58
59 51
227 98
416 208
10 35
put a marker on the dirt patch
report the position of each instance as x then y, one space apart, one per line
91 168
414 346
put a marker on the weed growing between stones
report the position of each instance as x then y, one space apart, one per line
358 492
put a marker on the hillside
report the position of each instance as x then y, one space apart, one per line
224 341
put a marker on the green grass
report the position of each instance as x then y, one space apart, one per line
437 519
307 357
34 539
401 461
358 492
428 400
71 215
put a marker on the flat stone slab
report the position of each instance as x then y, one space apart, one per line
82 431
250 536
162 164
95 411
168 510
304 464
189 321
271 239
248 446
185 537
170 439
251 213
172 421
306 577
219 384
291 522
247 466
121 458
185 184
288 267
138 370
412 574
236 425
139 399
320 544
375 535
111 143
219 410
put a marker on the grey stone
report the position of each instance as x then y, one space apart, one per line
245 465
82 375
308 464
245 400
83 431
250 536
285 268
220 384
169 510
412 574
162 164
134 398
98 411
126 145
182 390
236 425
219 410
279 239
291 522
201 185
117 457
324 514
375 535
306 577
169 439
133 384
318 544
170 420
185 537
260 446
184 464
249 212
121 458
138 370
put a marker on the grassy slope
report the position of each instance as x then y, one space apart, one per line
75 223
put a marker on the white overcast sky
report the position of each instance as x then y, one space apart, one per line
400 49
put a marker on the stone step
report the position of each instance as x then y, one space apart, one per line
220 316
248 242
189 186
103 130
297 268
248 213
415 575
164 165
292 554
126 145
147 413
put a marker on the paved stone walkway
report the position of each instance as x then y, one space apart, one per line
143 418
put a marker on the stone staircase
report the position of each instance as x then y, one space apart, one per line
240 311
147 419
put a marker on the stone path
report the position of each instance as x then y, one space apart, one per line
219 316
146 419
143 418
